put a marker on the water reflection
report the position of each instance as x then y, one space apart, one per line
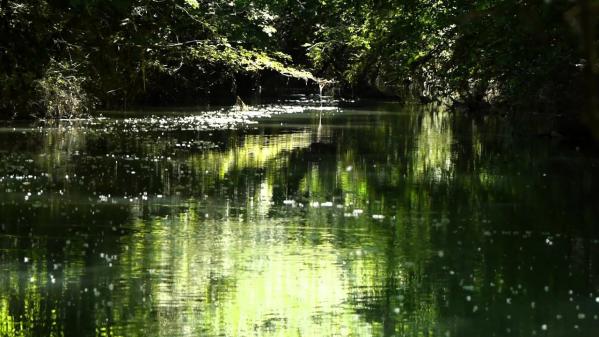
378 221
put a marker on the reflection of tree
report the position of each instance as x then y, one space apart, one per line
229 249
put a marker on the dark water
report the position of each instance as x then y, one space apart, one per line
380 221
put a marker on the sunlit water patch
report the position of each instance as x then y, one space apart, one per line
221 119
303 220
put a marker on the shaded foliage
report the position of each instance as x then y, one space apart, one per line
522 55
135 51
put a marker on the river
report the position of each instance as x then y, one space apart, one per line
295 220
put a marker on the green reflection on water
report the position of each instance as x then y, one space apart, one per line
386 221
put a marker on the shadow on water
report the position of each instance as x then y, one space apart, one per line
380 220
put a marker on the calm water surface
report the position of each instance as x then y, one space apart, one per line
385 220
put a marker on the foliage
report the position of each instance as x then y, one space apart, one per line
60 93
136 51
523 54
519 54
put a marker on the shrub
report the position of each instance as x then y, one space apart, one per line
60 93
